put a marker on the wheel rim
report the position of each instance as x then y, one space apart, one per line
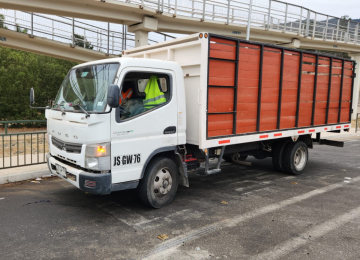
162 182
300 158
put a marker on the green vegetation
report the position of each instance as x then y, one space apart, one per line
20 71
19 29
82 42
2 21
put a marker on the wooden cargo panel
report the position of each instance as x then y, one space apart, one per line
247 94
267 88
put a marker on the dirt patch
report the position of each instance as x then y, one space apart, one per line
22 130
27 143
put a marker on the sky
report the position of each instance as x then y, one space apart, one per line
336 8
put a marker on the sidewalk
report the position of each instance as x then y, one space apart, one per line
23 173
41 170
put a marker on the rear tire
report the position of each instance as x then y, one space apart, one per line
159 184
295 157
277 155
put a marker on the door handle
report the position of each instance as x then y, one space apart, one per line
170 130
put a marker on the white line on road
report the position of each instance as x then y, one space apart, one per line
292 244
231 222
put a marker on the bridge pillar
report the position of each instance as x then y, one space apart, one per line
355 103
142 30
141 38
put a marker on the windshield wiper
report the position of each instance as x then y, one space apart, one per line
87 114
62 110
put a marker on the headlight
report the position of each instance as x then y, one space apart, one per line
97 157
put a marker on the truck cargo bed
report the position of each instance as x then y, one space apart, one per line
239 91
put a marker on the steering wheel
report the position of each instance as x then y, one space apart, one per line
124 111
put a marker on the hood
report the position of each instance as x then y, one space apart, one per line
76 128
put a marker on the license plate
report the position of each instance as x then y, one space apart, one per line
61 170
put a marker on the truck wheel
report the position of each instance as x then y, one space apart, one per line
277 155
158 187
295 157
233 158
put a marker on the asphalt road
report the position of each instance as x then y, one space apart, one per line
246 212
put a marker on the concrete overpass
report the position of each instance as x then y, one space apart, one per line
274 22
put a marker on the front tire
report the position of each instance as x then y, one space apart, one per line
295 157
159 185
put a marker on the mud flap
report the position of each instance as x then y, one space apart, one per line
183 180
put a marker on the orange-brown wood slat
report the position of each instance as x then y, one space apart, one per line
324 61
219 125
224 41
222 54
221 100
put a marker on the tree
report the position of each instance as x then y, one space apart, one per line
20 30
20 71
82 42
2 22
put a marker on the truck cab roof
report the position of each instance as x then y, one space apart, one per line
136 62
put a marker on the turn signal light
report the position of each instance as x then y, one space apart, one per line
101 149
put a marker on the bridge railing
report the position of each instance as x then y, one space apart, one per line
99 36
267 14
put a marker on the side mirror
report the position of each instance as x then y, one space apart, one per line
113 96
32 96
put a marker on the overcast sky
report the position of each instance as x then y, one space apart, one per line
336 8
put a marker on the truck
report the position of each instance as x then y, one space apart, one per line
147 119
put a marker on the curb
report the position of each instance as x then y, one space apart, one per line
342 135
23 176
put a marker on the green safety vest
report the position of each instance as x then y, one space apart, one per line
153 94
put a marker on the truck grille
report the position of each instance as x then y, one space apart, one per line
70 148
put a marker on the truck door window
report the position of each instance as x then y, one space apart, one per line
143 82
143 92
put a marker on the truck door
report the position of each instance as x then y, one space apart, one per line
145 123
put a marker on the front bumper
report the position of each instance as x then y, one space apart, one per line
95 183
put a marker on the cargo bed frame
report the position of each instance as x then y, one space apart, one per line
278 132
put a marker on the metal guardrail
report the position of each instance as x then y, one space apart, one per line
22 149
99 36
6 123
267 14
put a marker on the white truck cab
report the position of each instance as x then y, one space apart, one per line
107 149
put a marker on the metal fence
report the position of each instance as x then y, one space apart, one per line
104 37
267 14
20 149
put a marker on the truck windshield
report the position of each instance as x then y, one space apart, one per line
86 87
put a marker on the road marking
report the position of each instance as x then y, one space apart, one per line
186 214
121 213
231 222
289 177
292 244
242 177
141 223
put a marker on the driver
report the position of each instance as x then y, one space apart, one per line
125 95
